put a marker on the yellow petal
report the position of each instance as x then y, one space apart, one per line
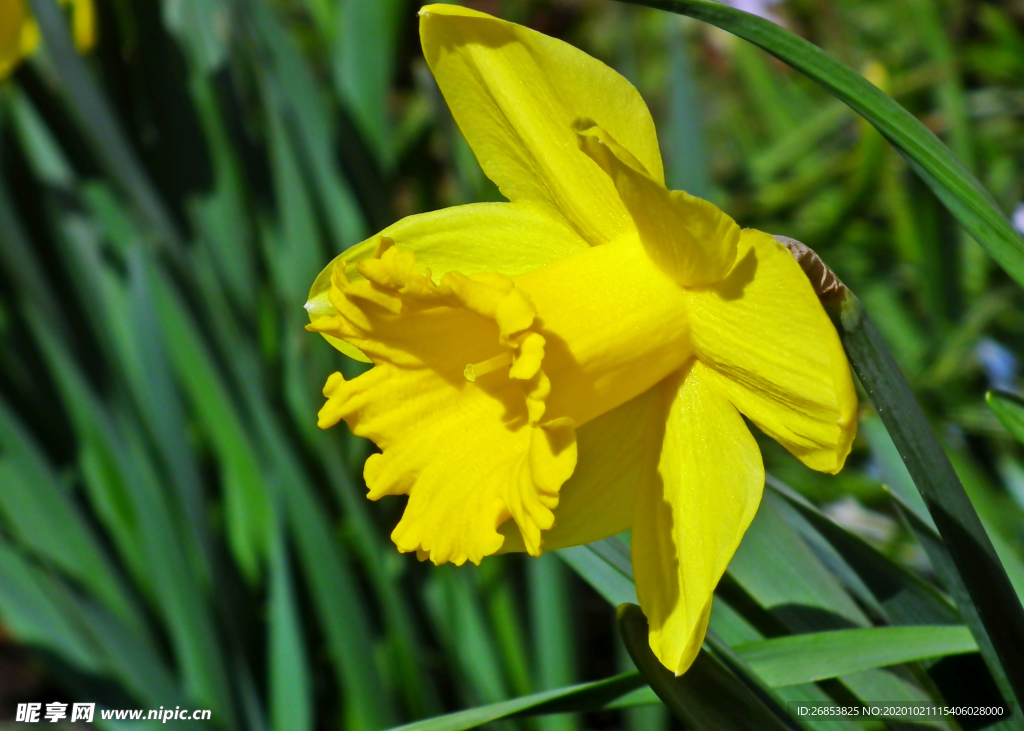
691 239
685 533
776 355
480 381
507 238
83 24
617 457
14 18
515 94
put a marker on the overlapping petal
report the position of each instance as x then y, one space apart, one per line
691 239
515 94
686 530
776 355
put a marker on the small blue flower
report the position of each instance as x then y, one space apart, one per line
999 363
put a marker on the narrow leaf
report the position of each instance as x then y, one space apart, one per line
585 697
100 125
609 581
707 697
973 573
1009 409
820 655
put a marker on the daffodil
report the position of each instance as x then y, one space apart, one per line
576 362
19 33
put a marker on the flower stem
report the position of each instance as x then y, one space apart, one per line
972 571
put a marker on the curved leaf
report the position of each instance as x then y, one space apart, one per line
820 655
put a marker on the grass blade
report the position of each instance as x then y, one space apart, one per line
100 125
290 685
978 576
554 646
584 697
1009 409
820 655
608 580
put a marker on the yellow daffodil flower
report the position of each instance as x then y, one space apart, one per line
19 34
574 363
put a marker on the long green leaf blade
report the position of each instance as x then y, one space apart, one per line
100 125
587 696
973 572
820 655
1009 409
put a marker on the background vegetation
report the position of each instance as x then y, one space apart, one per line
174 530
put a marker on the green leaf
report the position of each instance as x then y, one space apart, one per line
707 697
363 64
290 684
612 581
246 499
778 569
202 27
99 124
554 646
309 118
339 606
49 524
1009 409
954 185
453 600
891 591
30 609
893 471
133 659
605 566
156 545
584 697
377 557
820 655
971 569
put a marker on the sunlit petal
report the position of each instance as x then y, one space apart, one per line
776 355
686 530
515 94
691 239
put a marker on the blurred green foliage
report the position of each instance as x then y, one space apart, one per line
176 531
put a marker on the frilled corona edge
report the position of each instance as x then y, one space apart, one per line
458 372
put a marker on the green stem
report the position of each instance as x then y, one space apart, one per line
975 577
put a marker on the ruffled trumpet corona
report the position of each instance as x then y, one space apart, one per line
575 362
